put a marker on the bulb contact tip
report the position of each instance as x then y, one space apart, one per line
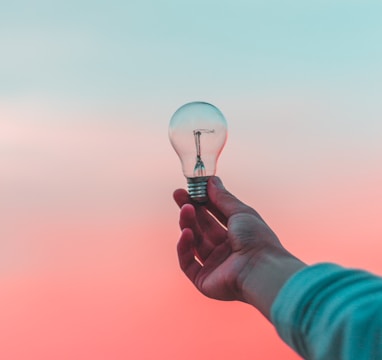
197 188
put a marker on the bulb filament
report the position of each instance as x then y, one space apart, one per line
199 169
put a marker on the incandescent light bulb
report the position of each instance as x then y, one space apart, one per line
198 132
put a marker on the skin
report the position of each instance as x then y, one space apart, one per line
229 252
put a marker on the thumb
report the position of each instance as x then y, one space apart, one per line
223 201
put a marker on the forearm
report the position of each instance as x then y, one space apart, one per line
328 312
264 276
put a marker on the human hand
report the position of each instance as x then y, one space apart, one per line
224 254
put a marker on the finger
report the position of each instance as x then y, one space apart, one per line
181 197
203 224
214 211
212 228
186 256
188 220
222 203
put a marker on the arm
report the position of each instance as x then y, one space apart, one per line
322 311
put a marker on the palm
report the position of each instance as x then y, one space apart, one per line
218 279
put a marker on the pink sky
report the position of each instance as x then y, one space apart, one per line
89 230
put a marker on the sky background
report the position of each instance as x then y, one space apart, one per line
88 228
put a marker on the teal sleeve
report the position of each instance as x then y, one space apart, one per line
329 312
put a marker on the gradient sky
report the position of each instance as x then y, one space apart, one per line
88 229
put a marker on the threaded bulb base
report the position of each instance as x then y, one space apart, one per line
197 188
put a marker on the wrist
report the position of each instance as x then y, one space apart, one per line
265 274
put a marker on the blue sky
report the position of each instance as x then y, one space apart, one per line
285 70
130 50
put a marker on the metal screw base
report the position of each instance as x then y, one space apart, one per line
197 188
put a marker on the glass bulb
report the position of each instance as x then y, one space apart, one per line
198 132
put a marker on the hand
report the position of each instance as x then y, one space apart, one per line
224 246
